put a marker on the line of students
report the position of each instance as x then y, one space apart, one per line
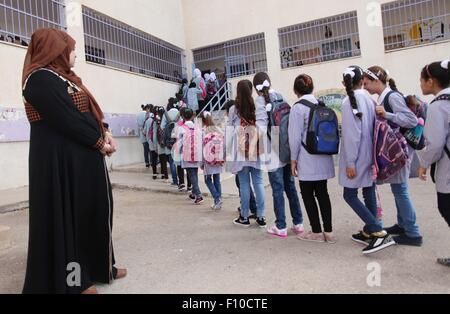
359 114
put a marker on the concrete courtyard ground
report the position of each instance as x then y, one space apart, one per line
171 246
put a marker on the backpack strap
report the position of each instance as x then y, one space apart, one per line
442 97
386 103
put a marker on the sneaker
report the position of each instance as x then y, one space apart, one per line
362 238
378 244
298 229
407 241
155 177
199 200
330 238
444 261
395 230
274 231
252 216
189 189
147 166
261 222
181 187
312 237
218 205
242 222
192 197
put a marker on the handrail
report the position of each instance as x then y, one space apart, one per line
217 98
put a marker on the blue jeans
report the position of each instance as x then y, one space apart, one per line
173 170
193 176
406 214
252 196
367 211
282 181
146 153
214 186
258 186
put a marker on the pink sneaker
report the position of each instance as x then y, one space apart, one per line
298 230
312 237
274 231
330 238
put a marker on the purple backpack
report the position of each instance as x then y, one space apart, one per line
390 150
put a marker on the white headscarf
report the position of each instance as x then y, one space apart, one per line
213 77
197 73
207 77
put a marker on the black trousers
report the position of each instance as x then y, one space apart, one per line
181 172
310 191
154 161
164 160
444 206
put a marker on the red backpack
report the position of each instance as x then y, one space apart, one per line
192 141
213 149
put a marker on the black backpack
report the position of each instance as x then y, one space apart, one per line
323 130
446 149
168 140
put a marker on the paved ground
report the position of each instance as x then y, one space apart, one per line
171 246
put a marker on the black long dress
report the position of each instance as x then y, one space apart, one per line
71 204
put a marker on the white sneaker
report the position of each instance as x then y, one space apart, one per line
274 231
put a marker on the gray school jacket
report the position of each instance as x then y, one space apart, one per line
357 142
310 167
404 118
437 134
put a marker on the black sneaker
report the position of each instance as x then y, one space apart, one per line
189 189
261 222
444 261
181 187
379 244
252 216
242 222
395 230
362 238
407 241
199 200
192 197
147 166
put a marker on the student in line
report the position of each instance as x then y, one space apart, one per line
393 107
191 137
313 171
356 161
212 167
149 128
160 148
172 116
227 106
435 80
280 174
177 156
193 94
142 118
247 117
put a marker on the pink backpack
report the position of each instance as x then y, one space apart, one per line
213 150
192 141
390 151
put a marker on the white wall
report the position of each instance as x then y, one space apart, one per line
116 91
237 18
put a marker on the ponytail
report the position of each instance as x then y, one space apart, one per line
262 83
348 81
393 85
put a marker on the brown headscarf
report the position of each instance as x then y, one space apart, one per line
51 48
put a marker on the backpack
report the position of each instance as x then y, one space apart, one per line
191 141
151 131
211 88
446 149
414 137
279 118
203 88
213 149
390 150
248 141
169 140
160 134
323 130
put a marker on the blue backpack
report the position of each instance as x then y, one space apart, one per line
323 130
279 118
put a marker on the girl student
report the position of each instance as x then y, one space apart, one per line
356 161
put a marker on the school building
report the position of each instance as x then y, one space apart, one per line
135 52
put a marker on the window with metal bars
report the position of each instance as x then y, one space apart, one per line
410 23
326 39
238 57
20 18
118 45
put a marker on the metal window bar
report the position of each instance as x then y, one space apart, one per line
326 39
19 19
113 43
242 56
409 23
